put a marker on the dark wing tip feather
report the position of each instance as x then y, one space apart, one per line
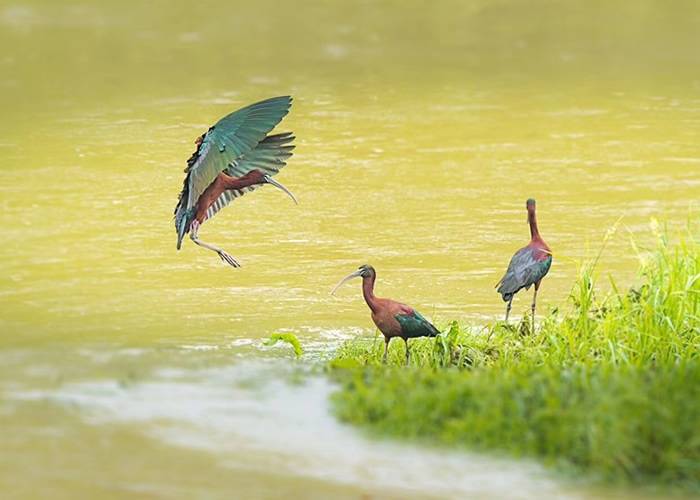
280 137
434 332
509 285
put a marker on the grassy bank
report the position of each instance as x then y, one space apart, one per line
609 385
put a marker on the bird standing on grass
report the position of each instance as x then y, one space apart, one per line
233 157
528 266
392 318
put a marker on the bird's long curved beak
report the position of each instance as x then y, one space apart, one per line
270 180
356 274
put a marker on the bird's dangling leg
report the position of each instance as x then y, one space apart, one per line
534 305
386 349
194 230
508 306
405 341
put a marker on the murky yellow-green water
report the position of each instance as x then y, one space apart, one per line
129 369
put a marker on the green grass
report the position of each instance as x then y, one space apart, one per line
611 385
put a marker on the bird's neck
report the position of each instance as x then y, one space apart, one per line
368 292
532 220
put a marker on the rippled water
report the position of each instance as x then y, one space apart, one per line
421 132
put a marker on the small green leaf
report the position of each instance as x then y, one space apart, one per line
288 338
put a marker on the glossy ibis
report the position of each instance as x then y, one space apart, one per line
392 318
233 157
528 266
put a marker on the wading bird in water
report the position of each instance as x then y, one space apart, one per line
233 157
392 318
528 266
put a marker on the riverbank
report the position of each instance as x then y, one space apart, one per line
608 385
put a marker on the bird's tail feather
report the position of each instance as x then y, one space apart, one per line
182 225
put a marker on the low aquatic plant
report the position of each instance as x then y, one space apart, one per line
287 338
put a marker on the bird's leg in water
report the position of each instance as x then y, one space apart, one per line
405 341
386 348
194 230
534 304
508 306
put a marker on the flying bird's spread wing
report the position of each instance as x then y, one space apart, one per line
415 325
224 147
526 268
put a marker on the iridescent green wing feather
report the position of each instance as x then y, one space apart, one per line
415 325
230 138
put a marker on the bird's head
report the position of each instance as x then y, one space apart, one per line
364 271
254 176
257 177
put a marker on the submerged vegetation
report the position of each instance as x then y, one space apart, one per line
610 386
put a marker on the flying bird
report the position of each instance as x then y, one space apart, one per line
235 156
392 318
528 266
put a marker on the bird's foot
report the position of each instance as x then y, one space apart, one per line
228 259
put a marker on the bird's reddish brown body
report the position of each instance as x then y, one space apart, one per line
222 183
384 311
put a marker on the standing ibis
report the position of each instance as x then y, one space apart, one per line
528 266
392 318
233 157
